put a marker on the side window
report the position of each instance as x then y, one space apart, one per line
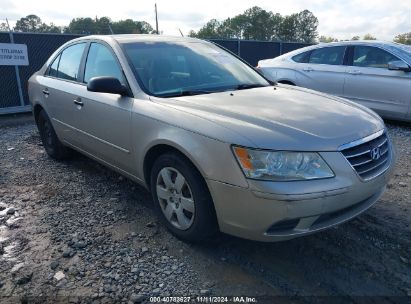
328 55
70 60
101 62
53 67
301 58
371 57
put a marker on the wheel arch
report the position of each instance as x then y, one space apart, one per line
37 108
160 148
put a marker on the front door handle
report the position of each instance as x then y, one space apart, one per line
309 69
354 72
78 102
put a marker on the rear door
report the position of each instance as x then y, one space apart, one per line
60 86
371 83
323 70
105 118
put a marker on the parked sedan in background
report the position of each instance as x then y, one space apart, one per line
375 74
218 146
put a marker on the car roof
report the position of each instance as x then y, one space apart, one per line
127 38
400 50
367 42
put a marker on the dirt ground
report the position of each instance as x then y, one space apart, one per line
75 231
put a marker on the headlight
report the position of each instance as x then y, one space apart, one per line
281 165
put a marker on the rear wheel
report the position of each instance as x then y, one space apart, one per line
182 199
51 143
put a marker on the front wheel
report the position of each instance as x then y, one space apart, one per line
182 199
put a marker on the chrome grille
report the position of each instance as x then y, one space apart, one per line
370 156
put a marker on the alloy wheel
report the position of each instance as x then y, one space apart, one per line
175 198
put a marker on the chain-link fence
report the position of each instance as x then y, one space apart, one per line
13 80
253 51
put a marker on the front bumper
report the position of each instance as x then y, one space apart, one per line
276 211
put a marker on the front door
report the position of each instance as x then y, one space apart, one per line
324 70
106 118
369 81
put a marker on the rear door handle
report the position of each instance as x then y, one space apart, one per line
78 102
46 92
309 69
354 72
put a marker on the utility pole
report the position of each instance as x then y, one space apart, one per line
8 25
155 8
111 30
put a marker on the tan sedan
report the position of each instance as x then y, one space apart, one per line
219 147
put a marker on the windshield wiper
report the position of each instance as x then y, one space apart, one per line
245 86
185 93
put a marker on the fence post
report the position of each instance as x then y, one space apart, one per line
281 47
16 68
238 47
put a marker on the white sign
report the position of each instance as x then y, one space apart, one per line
13 54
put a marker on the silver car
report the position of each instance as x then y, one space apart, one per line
219 147
374 74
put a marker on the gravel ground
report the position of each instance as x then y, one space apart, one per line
75 231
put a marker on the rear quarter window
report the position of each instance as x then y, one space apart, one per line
301 58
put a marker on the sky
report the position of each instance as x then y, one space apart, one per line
341 19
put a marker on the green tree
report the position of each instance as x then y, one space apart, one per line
327 39
129 26
258 24
144 27
403 38
103 25
82 26
369 37
355 38
307 25
52 28
287 30
30 23
210 29
33 23
192 34
4 27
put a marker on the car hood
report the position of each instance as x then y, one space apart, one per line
282 117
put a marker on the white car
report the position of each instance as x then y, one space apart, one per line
373 73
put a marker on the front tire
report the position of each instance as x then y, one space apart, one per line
182 199
51 143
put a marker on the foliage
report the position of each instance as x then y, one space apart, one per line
403 38
258 24
4 27
328 39
104 25
33 24
355 38
369 37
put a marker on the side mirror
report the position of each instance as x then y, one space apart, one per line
399 65
106 84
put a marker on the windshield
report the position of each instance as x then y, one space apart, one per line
401 50
168 69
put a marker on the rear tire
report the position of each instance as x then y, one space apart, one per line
51 143
181 198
